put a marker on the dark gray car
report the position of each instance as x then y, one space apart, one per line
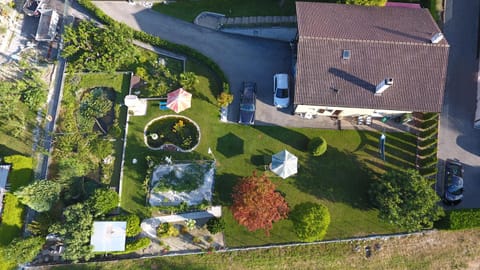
247 103
453 182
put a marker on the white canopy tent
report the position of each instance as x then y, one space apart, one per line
284 164
108 236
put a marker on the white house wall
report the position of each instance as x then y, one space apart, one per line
328 111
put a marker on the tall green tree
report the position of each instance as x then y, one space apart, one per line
39 195
93 48
406 199
75 231
102 201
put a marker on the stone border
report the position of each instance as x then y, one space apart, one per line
163 146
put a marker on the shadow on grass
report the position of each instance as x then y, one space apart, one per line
262 160
338 177
230 145
224 184
7 151
287 136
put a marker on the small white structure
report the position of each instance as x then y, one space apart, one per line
284 164
47 26
4 170
137 106
108 236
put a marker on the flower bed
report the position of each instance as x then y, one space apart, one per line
172 131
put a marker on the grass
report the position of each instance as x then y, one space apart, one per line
339 179
437 250
188 9
13 211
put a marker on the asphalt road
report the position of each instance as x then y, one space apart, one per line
242 58
457 138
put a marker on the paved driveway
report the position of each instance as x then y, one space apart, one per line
240 57
458 139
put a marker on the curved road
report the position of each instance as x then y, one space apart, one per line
242 58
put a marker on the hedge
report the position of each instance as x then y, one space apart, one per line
158 42
463 219
317 146
133 224
134 246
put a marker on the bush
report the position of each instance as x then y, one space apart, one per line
317 146
463 219
215 225
310 221
167 230
133 224
134 246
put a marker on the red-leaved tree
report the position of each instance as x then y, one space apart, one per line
256 204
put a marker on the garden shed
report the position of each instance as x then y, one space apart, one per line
108 236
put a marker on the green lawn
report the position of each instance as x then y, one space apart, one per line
188 9
339 179
13 211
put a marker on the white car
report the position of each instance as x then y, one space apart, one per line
281 92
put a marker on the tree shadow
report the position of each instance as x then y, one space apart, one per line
224 184
287 136
7 151
230 145
264 158
336 176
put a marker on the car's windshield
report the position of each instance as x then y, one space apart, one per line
457 192
247 107
282 93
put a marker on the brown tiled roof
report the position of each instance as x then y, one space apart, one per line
384 42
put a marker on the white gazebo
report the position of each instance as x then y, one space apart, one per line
284 164
108 236
138 106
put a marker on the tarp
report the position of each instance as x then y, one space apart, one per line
284 164
179 100
108 236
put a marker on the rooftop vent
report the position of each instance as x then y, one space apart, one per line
383 85
437 38
346 54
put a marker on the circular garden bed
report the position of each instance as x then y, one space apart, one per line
172 132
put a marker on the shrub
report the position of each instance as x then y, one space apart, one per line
464 219
209 239
317 146
310 221
133 224
196 240
134 246
167 230
215 225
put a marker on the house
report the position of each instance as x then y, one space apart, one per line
47 25
377 61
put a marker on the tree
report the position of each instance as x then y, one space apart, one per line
310 220
379 3
317 146
75 231
407 199
23 250
39 195
102 201
256 204
98 49
215 225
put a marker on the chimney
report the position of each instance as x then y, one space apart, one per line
437 38
383 85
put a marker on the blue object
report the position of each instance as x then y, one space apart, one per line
163 105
